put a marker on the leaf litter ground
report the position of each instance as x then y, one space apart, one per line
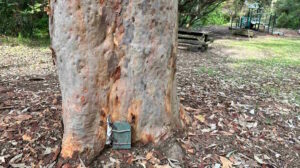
243 107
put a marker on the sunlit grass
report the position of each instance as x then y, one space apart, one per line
277 51
36 42
272 63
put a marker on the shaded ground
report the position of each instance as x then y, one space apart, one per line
243 98
223 32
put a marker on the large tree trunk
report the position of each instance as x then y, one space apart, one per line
115 58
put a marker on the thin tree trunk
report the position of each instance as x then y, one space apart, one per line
115 58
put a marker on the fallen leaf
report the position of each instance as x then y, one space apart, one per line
191 134
47 151
142 163
210 146
2 158
205 130
186 119
82 165
12 160
151 158
200 118
27 137
226 133
162 166
138 158
217 165
191 151
23 117
190 109
149 155
260 161
174 163
225 162
267 157
230 153
20 165
56 153
54 101
251 125
212 126
130 159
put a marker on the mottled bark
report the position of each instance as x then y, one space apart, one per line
117 58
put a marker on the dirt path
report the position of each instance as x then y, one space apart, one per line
236 118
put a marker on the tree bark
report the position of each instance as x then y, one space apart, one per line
115 58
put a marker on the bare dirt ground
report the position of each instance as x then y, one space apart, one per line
242 114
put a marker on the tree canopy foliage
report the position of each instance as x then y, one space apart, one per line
288 13
193 11
27 18
23 17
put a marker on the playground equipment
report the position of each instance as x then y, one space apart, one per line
255 19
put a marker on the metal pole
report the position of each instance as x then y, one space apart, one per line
269 23
274 20
259 21
250 18
241 22
236 23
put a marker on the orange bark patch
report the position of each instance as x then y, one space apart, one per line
133 112
48 10
121 29
184 117
85 90
117 74
80 29
76 107
103 114
82 100
133 117
119 34
53 56
101 1
168 99
72 106
114 101
172 59
147 138
116 108
115 116
69 147
117 6
67 166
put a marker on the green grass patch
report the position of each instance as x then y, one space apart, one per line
284 52
207 70
30 42
274 62
268 121
271 64
273 90
297 97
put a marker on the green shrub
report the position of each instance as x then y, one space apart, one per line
217 17
23 17
288 14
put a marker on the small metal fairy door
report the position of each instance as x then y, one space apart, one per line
121 133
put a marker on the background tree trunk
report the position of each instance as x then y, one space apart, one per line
117 58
